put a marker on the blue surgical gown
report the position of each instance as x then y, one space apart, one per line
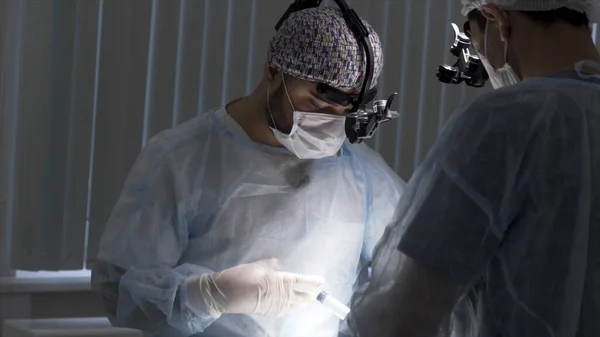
202 197
507 204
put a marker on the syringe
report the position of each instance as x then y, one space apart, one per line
335 306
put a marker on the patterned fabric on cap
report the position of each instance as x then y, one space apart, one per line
316 45
590 7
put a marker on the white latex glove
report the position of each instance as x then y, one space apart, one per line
257 288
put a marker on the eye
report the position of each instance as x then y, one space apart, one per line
317 105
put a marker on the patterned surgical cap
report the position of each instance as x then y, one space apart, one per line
316 45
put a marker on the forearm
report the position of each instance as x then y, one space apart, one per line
416 304
423 299
158 301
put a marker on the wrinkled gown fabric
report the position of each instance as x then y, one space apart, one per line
507 204
202 197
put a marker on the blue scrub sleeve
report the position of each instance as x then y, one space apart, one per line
471 190
136 272
453 240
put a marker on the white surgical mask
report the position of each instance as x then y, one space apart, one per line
313 135
503 76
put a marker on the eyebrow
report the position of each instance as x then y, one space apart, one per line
319 103
314 97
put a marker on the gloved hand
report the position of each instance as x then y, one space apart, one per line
257 288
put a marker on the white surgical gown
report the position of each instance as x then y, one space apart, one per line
507 204
202 198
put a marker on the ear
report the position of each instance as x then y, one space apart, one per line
499 17
270 73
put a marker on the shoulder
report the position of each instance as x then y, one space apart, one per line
174 145
514 117
376 169
502 124
505 106
498 119
367 156
521 106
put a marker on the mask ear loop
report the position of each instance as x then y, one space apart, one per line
295 112
286 92
485 44
506 52
269 106
295 125
485 39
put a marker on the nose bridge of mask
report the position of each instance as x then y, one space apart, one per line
313 135
315 123
320 125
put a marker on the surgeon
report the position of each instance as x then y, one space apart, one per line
231 224
499 229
